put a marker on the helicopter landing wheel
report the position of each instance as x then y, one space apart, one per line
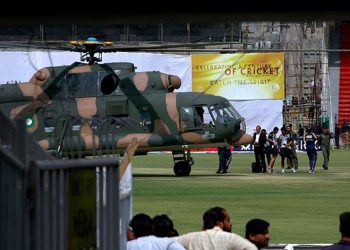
182 168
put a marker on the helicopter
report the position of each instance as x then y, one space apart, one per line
90 108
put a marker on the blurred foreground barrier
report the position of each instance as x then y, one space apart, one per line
49 203
297 246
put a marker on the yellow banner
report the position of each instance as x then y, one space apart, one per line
239 76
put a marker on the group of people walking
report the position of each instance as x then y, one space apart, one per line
270 145
267 146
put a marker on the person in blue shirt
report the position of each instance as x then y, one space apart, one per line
309 139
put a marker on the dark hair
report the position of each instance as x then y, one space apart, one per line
256 226
212 216
141 225
344 226
163 226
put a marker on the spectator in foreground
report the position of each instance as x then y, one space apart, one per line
224 218
140 236
163 226
214 237
344 229
257 232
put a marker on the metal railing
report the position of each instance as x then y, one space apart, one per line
76 204
49 203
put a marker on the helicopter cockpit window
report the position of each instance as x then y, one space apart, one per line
221 111
82 84
230 109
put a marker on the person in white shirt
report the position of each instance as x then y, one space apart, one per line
285 142
216 234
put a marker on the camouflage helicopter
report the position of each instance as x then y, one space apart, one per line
98 108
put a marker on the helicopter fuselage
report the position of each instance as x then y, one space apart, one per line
82 108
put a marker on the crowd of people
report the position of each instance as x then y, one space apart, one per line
268 146
145 233
271 145
216 233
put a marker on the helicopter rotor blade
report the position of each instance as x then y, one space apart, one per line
114 47
35 46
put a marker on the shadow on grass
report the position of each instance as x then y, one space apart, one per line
190 176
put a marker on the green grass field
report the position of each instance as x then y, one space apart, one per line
301 208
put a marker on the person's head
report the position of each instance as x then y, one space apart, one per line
139 226
344 226
288 128
258 129
275 130
283 130
217 216
308 130
224 219
163 226
257 232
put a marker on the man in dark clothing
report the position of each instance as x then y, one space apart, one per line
301 131
344 229
336 135
225 156
294 137
259 140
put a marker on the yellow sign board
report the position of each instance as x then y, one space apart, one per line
248 76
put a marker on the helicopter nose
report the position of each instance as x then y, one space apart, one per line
245 139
